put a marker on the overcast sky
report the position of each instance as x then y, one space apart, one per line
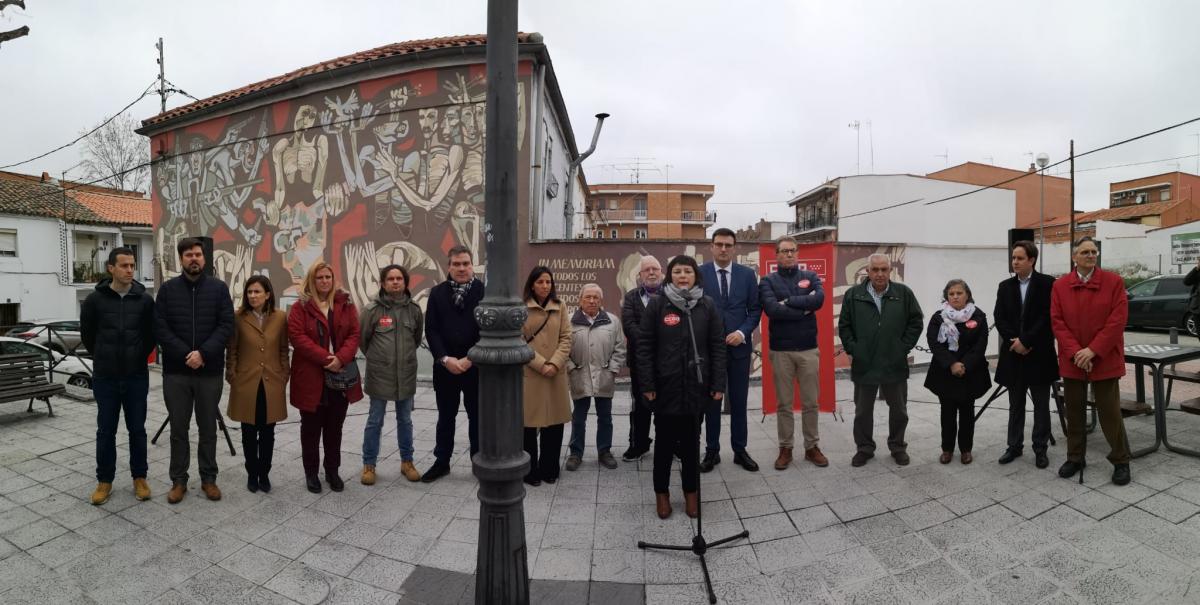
753 97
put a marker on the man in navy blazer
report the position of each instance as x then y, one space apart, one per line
734 289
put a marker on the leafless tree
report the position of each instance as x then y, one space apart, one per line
15 33
116 156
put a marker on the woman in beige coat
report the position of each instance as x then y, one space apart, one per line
547 407
256 368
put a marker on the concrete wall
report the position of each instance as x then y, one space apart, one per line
979 219
31 279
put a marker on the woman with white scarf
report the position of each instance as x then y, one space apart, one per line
958 375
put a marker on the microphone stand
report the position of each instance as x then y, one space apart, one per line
699 545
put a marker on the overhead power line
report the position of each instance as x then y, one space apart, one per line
86 134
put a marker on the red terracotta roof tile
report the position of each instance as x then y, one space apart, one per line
390 50
120 209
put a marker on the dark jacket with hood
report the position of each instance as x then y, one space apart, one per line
118 330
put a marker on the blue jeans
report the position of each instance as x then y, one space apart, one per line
404 430
112 396
579 424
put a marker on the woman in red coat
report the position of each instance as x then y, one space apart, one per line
323 330
1088 309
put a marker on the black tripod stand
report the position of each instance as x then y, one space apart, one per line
699 545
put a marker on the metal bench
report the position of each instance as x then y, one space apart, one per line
24 377
1172 374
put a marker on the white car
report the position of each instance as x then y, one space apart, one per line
69 370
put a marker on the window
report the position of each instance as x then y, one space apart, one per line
1171 285
24 348
1145 288
599 234
639 234
8 242
1164 195
639 208
613 203
614 234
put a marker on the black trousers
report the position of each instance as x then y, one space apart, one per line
258 439
958 419
677 436
543 460
447 388
1040 393
640 418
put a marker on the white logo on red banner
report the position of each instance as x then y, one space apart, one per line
671 319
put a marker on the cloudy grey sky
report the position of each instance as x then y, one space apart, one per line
753 97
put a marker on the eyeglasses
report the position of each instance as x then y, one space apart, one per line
1088 252
787 251
723 245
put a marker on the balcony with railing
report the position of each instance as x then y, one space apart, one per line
639 216
812 224
88 271
697 216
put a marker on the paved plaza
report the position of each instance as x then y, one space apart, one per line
926 533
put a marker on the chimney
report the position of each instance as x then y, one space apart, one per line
45 176
1032 167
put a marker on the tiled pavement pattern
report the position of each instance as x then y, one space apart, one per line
982 533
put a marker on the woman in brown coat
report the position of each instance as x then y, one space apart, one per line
256 368
547 394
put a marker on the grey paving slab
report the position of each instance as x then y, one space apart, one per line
254 563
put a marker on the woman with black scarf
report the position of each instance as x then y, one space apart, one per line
681 366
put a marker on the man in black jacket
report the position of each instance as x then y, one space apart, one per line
1028 362
790 297
650 279
194 317
451 330
116 324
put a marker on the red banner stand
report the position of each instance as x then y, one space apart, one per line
817 258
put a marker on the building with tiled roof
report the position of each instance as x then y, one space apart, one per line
361 161
1157 201
55 239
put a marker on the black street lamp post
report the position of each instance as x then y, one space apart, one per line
501 568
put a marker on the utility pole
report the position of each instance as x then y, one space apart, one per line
162 77
1071 244
501 563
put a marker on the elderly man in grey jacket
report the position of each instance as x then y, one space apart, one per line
597 354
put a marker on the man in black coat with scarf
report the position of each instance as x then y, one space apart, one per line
1028 362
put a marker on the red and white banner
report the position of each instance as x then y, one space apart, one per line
817 258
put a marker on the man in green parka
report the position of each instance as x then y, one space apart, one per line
880 323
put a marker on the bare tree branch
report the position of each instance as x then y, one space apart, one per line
116 155
14 34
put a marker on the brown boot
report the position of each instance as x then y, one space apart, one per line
814 455
410 471
141 489
211 491
103 490
784 460
691 504
178 491
663 504
368 474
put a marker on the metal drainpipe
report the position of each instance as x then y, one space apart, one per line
568 206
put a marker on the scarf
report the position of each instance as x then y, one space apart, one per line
948 332
459 291
651 290
685 299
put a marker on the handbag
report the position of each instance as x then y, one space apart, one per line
343 379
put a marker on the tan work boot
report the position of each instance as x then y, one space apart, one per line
784 460
141 489
814 455
211 491
368 474
409 471
178 491
100 496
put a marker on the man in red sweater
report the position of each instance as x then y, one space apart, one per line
1088 309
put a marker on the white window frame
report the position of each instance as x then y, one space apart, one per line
6 252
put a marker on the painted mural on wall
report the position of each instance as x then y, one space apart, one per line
384 171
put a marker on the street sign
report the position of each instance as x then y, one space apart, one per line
1185 248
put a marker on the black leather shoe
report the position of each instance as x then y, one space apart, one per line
264 483
313 483
435 472
1120 474
531 480
1069 468
1009 456
744 460
710 460
335 482
902 458
860 458
633 454
1041 459
252 483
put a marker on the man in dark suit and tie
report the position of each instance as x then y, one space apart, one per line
1027 361
734 289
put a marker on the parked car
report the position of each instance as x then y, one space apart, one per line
70 369
60 335
17 328
1161 302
